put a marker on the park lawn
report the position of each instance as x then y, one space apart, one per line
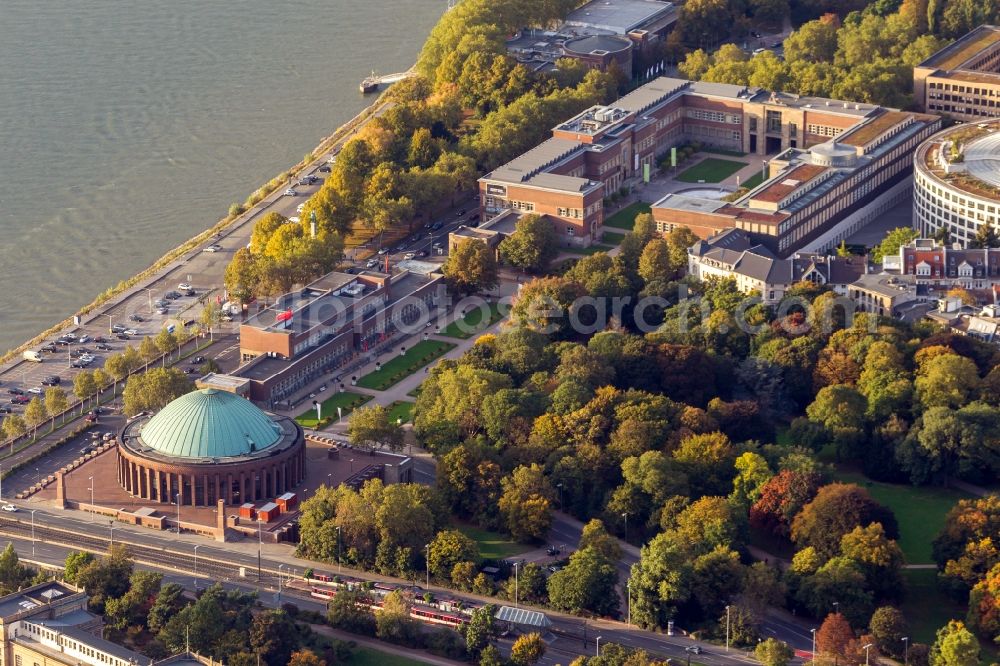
753 181
593 249
625 218
365 656
401 409
612 238
401 367
472 323
920 511
927 607
347 401
493 545
710 170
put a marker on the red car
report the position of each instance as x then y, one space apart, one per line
20 400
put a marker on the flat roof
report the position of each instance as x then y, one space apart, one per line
649 95
98 643
530 163
886 285
981 158
33 597
689 203
618 16
974 77
221 381
964 49
865 133
785 184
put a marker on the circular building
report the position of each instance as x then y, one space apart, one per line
210 445
956 181
599 51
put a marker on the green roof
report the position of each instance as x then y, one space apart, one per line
210 424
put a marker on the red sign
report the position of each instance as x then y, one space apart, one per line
284 316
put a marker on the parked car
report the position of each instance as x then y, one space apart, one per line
131 331
10 508
409 255
100 339
103 346
290 192
69 336
84 339
90 418
123 336
197 360
63 342
135 317
52 380
324 169
13 390
48 348
118 328
371 263
184 286
20 400
172 295
214 247
4 409
36 390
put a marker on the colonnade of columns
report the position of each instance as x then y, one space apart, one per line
249 482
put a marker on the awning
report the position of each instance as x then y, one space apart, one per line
523 617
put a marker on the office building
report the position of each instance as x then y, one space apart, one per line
962 80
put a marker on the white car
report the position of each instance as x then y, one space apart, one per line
214 247
131 331
290 192
9 507
184 286
35 390
409 255
298 209
84 339
294 219
332 159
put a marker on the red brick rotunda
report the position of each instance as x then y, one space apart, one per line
210 445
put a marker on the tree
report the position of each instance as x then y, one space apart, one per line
781 499
587 583
984 605
481 630
370 428
35 414
888 628
879 558
544 304
595 536
273 637
526 503
772 652
392 620
169 600
654 262
84 386
834 636
211 317
948 380
154 390
965 550
955 646
55 401
530 585
242 277
532 245
133 607
752 473
893 240
166 342
347 611
305 657
449 548
527 650
836 510
814 41
841 410
471 267
75 562
13 574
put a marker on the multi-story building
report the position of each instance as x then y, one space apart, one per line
732 254
962 80
324 325
52 602
884 295
941 267
957 182
838 164
600 33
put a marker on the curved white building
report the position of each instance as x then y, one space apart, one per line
956 182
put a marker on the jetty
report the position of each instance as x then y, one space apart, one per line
372 83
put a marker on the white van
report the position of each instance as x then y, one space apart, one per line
32 356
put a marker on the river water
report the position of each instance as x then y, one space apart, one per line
128 126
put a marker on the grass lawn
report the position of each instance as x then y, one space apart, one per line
710 170
722 151
347 401
401 367
401 409
472 323
593 249
364 656
926 607
920 512
493 545
753 181
625 218
612 238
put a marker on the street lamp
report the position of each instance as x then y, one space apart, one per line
628 588
178 499
560 487
91 489
427 565
111 526
599 645
625 516
906 650
338 549
33 531
727 628
109 323
260 541
813 632
197 546
279 580
865 648
836 606
329 480
515 583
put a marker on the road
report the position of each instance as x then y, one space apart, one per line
52 535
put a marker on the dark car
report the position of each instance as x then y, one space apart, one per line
91 418
50 347
100 339
324 169
118 328
474 216
436 226
103 347
63 342
422 253
197 360
461 212
54 380
15 391
552 550
4 409
172 295
123 336
135 317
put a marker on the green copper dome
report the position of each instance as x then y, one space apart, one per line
210 424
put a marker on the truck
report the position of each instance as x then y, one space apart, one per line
230 308
32 356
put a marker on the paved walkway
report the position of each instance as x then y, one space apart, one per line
388 648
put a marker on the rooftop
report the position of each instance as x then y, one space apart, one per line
598 44
98 643
865 133
978 173
528 164
955 55
619 16
886 285
208 423
33 597
785 184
